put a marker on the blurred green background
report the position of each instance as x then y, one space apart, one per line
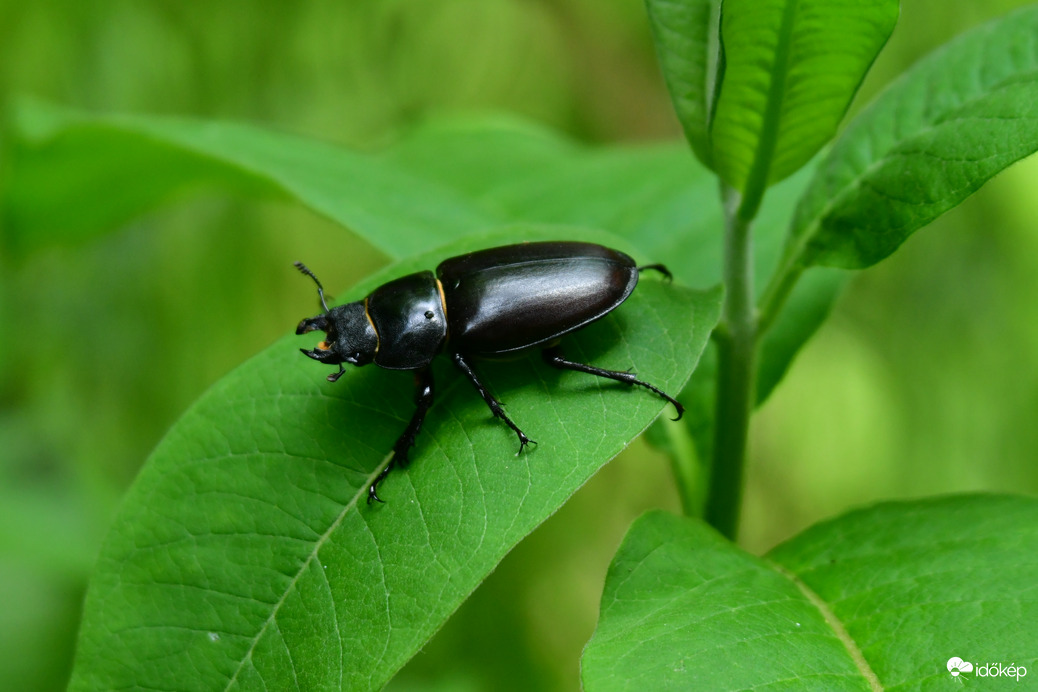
925 379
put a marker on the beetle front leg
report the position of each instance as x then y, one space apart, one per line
552 356
492 403
423 399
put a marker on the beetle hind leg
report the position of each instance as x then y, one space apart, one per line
492 403
661 268
553 357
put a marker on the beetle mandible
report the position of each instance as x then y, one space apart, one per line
488 303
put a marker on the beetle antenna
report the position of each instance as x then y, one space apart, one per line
320 289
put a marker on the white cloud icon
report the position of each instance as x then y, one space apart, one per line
956 665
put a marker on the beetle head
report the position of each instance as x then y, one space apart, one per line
351 338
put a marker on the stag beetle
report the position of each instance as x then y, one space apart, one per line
489 303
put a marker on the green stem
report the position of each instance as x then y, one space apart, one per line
736 371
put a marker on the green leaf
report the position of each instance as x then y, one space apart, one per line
877 599
928 141
245 557
915 583
686 33
477 157
653 195
74 175
685 609
791 70
499 168
807 308
466 175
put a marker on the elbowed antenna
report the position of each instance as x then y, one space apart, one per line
320 289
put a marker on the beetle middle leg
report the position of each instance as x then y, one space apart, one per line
554 357
423 399
495 406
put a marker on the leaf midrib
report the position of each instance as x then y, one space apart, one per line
247 656
760 170
834 624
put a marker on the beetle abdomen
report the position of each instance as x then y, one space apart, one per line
509 298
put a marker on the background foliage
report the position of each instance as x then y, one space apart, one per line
923 380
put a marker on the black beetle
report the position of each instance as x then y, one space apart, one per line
488 303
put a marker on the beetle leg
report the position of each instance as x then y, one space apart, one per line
423 399
334 377
553 357
495 406
662 269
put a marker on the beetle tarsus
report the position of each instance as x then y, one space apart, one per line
493 404
373 488
553 357
524 442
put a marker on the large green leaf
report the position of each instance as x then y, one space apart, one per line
877 599
477 157
791 70
928 141
654 196
687 37
245 557
74 175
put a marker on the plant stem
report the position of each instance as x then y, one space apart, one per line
736 371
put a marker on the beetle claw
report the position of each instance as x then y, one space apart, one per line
373 488
524 442
373 494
